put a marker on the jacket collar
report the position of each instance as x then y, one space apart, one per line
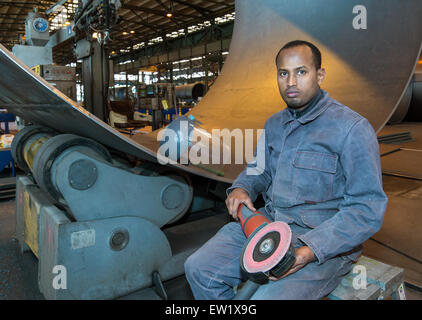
316 110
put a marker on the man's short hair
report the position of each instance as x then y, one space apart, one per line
296 43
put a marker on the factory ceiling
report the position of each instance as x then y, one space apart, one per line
142 22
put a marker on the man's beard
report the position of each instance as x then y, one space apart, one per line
292 104
296 104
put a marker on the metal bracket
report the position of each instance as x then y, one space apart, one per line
158 285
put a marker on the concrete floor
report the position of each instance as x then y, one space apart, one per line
399 242
18 272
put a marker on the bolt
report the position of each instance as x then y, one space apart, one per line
266 246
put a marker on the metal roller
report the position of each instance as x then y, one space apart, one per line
52 149
26 144
185 179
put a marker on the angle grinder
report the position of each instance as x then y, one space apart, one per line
268 249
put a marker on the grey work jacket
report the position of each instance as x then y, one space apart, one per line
322 172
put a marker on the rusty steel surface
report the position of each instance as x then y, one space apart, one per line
403 163
367 70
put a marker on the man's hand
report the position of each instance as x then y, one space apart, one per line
235 198
304 255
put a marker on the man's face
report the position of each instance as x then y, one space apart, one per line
297 77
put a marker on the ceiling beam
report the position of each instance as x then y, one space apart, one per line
54 6
12 30
12 23
142 21
164 6
223 3
203 11
9 37
12 3
155 11
15 20
145 30
8 15
163 31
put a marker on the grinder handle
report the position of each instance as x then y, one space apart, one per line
250 220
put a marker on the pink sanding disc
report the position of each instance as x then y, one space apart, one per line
253 266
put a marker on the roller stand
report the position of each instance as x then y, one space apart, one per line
101 222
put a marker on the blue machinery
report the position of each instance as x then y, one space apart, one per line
6 118
108 245
169 114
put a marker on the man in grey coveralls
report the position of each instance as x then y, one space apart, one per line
322 176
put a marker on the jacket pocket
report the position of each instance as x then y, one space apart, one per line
313 218
313 175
